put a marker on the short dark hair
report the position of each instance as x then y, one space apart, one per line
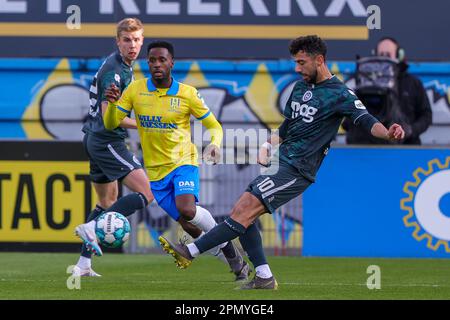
161 44
312 45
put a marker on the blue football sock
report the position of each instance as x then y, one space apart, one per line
223 232
128 204
92 216
252 244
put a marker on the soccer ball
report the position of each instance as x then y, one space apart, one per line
112 229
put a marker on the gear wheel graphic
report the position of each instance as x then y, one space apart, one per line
418 213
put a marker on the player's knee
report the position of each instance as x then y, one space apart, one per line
236 212
240 214
187 212
107 202
107 198
189 228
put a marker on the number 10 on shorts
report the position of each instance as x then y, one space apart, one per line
265 185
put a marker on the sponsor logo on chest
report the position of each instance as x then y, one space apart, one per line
155 122
303 110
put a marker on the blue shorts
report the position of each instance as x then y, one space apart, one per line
182 180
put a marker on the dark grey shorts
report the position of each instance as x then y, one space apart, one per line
109 160
274 190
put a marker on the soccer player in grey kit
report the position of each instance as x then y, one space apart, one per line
313 113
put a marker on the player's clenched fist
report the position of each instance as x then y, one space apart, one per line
264 154
396 132
211 154
112 94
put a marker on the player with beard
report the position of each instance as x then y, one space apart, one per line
315 109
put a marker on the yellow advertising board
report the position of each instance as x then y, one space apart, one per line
43 201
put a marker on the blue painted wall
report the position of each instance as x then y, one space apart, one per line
365 204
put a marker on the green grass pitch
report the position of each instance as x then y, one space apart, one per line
43 276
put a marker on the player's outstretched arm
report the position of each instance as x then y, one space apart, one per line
394 133
110 120
112 116
128 123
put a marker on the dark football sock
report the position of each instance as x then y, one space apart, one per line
223 232
92 216
95 213
252 244
229 251
233 257
128 204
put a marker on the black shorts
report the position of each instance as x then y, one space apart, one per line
274 190
109 160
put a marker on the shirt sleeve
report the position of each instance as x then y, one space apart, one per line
116 112
106 79
214 128
198 106
351 107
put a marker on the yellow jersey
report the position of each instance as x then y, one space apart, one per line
163 122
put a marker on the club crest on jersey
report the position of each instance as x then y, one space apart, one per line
303 110
117 78
174 104
307 96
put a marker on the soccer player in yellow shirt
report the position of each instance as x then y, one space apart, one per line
162 108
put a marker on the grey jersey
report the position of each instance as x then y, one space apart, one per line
314 114
113 70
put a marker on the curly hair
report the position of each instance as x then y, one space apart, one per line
312 45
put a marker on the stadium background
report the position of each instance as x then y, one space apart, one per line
365 202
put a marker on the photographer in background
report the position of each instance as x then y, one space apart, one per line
405 102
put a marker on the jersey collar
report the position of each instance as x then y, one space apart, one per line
173 90
119 58
331 79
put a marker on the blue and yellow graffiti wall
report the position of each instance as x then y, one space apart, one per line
48 98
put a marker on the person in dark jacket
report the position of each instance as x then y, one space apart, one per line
414 104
